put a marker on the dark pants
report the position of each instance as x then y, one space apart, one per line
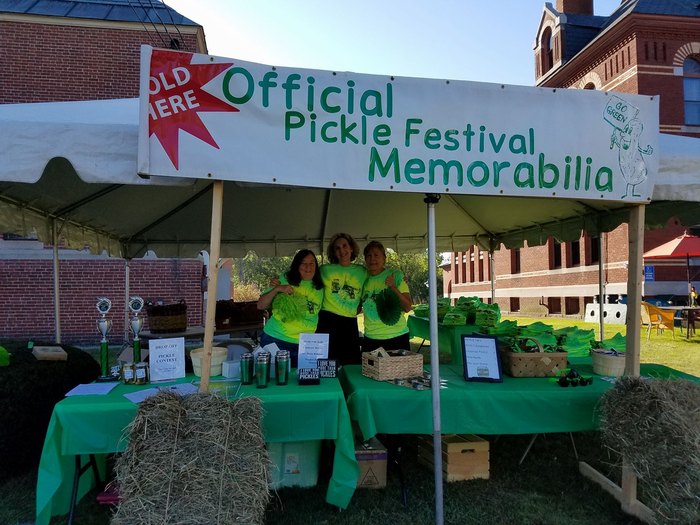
282 345
401 342
343 340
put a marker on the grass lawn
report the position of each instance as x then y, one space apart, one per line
546 489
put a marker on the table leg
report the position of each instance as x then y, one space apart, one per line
691 323
394 446
573 444
529 446
79 471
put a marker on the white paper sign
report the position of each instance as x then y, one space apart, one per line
312 347
167 358
480 356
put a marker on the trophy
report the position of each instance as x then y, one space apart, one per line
104 325
136 305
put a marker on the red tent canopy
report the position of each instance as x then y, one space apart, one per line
684 246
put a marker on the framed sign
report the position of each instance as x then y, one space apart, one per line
480 358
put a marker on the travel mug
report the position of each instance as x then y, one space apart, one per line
282 366
262 369
247 372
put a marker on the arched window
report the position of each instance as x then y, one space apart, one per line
547 47
590 85
691 90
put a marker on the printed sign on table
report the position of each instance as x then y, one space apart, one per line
312 347
167 358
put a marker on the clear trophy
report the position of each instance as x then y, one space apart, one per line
136 305
104 325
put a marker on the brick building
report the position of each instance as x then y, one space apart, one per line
84 49
644 47
81 50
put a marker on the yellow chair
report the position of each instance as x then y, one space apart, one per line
655 317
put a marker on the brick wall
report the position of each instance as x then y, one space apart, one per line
49 62
27 305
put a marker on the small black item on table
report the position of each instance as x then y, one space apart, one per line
309 376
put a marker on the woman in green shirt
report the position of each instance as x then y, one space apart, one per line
296 302
342 290
385 300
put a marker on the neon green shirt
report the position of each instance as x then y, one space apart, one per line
374 327
289 329
342 288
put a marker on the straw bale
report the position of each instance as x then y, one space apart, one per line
655 425
198 459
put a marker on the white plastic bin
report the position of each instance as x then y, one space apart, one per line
294 464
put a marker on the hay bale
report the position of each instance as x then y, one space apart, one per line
199 459
655 425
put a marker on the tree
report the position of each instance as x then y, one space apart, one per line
257 271
414 266
251 275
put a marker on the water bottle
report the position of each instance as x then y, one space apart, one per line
282 366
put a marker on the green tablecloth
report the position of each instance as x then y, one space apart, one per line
94 425
515 406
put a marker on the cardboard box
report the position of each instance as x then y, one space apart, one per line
372 457
49 353
464 456
294 464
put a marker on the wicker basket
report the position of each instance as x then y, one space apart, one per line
533 364
167 318
385 366
230 314
608 364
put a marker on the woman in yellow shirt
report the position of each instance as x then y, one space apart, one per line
343 282
296 301
385 301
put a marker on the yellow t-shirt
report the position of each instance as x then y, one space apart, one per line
374 326
342 288
289 329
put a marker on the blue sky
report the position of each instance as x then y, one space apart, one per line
489 41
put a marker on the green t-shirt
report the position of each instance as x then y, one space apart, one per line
342 288
374 327
309 300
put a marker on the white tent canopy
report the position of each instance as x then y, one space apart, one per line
76 162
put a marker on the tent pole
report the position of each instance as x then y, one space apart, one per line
431 200
690 284
634 290
634 303
601 287
493 275
127 285
215 243
56 283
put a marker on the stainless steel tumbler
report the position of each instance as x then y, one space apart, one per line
262 369
247 368
282 366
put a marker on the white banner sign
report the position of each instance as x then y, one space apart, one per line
218 118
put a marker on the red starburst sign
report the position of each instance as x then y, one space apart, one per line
176 98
